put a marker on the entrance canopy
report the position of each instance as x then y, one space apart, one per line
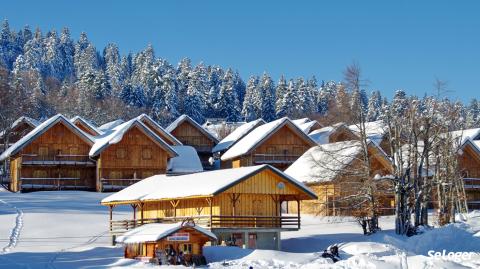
157 231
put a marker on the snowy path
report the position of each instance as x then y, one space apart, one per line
15 233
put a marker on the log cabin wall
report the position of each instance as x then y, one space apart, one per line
331 194
280 150
57 153
135 156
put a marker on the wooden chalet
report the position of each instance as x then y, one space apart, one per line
330 134
307 125
164 243
241 206
332 172
19 129
53 156
190 133
86 126
377 132
278 143
233 138
469 162
158 130
128 153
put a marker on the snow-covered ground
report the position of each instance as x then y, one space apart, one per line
69 230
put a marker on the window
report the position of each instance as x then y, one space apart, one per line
43 151
146 153
121 153
185 248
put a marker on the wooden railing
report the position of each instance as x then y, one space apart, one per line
471 183
61 159
214 222
55 183
110 184
274 158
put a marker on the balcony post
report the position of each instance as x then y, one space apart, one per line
134 207
141 212
298 212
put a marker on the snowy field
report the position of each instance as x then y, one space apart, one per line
69 230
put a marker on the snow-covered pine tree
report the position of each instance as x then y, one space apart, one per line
183 70
53 57
473 114
279 93
113 67
32 59
249 109
228 106
214 81
266 98
374 106
399 102
287 106
67 49
325 95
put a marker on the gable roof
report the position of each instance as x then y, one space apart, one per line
325 162
464 135
301 121
110 125
156 231
42 128
375 130
183 118
206 184
260 134
87 123
237 134
115 135
173 140
186 162
23 119
322 135
307 126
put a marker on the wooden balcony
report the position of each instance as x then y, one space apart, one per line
110 184
274 158
471 183
216 222
60 183
55 160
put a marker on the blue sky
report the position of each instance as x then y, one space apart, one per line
399 44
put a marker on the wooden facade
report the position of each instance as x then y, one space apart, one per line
192 134
158 130
135 157
251 205
332 194
469 161
56 159
280 149
84 126
20 128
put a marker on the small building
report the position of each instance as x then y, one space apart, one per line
53 156
18 129
307 125
332 171
128 153
377 132
241 206
233 138
190 133
330 134
167 241
86 126
278 143
158 130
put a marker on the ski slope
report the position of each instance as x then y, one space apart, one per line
69 230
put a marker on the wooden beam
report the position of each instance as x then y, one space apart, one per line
174 204
134 207
298 212
234 198
142 205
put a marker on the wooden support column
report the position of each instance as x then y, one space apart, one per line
298 212
134 207
174 204
142 206
210 202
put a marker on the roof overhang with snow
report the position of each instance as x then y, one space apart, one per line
235 136
87 124
148 120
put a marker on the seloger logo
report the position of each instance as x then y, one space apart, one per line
451 256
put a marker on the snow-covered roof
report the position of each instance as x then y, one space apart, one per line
115 135
374 130
23 119
206 184
236 135
322 135
324 163
87 123
259 135
301 121
145 117
463 135
156 231
110 125
307 126
42 128
186 162
183 118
